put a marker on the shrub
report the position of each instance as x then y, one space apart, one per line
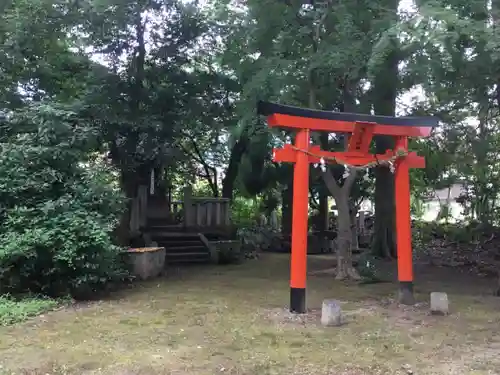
62 249
58 207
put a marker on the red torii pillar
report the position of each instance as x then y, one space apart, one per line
363 128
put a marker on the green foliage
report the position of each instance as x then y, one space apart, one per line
452 58
177 91
58 207
244 212
425 234
35 53
417 207
152 91
16 311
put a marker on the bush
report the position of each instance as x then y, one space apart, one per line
425 233
64 249
58 207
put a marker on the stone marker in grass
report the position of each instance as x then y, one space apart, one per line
439 303
331 313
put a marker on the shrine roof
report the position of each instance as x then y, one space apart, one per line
269 108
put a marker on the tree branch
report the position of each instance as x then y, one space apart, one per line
207 168
331 183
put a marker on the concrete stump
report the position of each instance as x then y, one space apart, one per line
331 313
146 262
439 303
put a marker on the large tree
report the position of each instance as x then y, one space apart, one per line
384 71
312 56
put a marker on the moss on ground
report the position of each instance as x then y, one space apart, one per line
15 311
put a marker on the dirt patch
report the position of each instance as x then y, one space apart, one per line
332 271
282 316
401 315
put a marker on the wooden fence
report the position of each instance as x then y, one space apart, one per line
205 212
202 212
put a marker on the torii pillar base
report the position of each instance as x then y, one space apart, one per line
405 293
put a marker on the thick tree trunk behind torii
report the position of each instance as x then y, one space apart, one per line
384 102
237 152
345 268
354 227
383 244
341 194
324 210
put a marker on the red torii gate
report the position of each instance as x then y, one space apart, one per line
362 129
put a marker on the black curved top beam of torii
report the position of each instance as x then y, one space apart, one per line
303 118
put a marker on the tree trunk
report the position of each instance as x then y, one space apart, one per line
345 269
237 152
384 102
341 194
324 210
354 228
131 178
383 236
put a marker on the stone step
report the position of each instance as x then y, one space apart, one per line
165 228
180 242
176 235
186 249
183 261
188 255
183 257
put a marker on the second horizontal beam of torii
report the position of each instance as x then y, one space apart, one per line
288 154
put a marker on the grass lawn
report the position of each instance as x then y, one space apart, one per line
233 320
